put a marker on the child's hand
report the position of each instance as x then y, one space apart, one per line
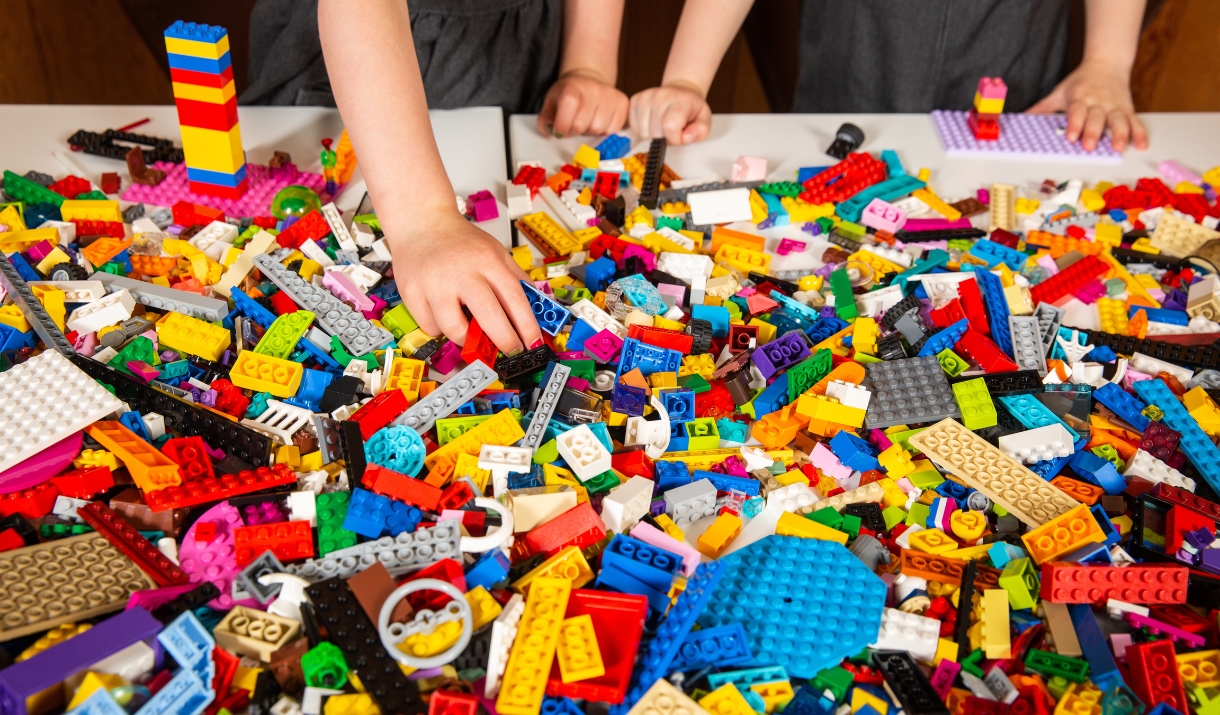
582 103
1095 96
447 263
676 112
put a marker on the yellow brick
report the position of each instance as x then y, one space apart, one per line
524 681
726 700
586 157
860 697
578 654
200 93
54 257
997 641
484 608
22 240
213 150
793 525
264 373
198 48
193 336
91 210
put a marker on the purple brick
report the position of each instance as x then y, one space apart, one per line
780 354
58 663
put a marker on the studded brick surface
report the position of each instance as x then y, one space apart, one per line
1022 136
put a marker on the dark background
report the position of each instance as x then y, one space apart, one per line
113 52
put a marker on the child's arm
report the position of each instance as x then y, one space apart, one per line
584 99
441 261
1097 94
677 110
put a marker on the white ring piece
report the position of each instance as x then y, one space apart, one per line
497 537
425 621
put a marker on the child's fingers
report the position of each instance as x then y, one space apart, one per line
674 121
698 130
1139 134
1077 113
486 309
449 318
512 298
583 120
1094 125
607 116
641 116
546 118
566 107
1120 128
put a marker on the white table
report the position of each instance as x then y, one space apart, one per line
791 141
471 143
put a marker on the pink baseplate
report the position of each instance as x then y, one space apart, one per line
215 561
263 182
1029 136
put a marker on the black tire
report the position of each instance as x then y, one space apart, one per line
67 272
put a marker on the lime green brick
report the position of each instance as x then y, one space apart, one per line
951 362
972 397
893 516
918 515
398 321
1020 580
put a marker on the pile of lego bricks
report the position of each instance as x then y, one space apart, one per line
816 444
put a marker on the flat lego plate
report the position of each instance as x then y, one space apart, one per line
1022 136
263 184
47 399
63 581
805 604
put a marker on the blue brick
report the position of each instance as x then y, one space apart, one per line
132 421
1096 470
854 452
651 565
1103 671
824 328
889 190
714 647
614 146
996 253
648 358
1123 404
1029 411
1160 315
551 316
717 315
727 482
599 274
1196 445
491 568
680 404
626 582
772 398
671 475
997 308
374 516
251 309
945 339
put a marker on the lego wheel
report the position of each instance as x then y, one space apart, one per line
67 272
425 623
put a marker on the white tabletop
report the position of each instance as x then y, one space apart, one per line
471 143
791 141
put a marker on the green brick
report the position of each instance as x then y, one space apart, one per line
893 516
808 372
918 514
826 517
324 666
850 525
845 301
398 321
331 511
603 482
703 434
20 188
1053 664
951 362
282 337
972 397
837 680
695 383
1020 580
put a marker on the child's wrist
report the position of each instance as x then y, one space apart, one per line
588 73
688 84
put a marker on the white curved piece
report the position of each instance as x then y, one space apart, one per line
496 537
425 621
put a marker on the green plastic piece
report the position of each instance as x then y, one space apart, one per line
951 363
93 196
826 517
845 301
117 269
581 294
900 438
926 478
282 337
1053 664
703 434
547 453
398 321
324 666
978 411
1020 580
331 508
140 350
893 516
850 525
674 222
808 372
850 229
970 663
343 357
450 428
827 224
1108 453
733 305
695 383
603 482
369 220
918 514
781 188
20 188
865 358
960 244
837 680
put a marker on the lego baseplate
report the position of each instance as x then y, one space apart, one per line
63 581
263 184
1022 136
